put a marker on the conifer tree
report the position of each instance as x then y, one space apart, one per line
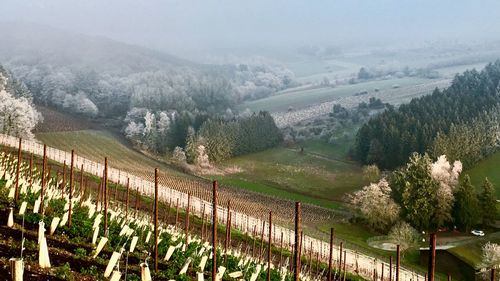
466 205
487 203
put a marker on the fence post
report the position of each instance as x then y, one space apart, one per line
156 219
432 257
187 218
214 231
18 167
105 191
296 256
269 249
329 278
44 162
398 261
71 171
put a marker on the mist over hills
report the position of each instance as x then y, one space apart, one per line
28 43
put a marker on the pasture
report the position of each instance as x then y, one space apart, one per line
314 176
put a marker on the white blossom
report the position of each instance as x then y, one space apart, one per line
17 116
491 255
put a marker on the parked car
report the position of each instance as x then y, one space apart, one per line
477 232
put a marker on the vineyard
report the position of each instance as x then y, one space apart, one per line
118 232
95 144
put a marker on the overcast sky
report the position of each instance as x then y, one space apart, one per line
181 25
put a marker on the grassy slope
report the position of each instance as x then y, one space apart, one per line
96 145
490 168
471 252
315 176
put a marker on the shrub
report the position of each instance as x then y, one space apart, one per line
64 272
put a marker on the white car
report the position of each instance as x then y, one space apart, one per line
477 232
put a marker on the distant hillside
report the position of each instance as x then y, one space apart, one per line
23 43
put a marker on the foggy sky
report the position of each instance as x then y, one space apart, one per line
183 25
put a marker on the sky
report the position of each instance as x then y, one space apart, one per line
187 25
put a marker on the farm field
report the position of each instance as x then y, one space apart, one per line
451 71
314 70
393 96
302 99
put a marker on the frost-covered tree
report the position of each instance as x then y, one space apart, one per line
179 156
375 204
201 159
80 104
134 132
17 116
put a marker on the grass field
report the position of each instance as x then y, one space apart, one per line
490 168
319 175
301 99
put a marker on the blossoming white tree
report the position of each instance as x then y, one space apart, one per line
17 116
375 204
491 255
447 177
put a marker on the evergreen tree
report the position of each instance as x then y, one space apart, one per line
487 203
191 145
389 138
415 190
466 205
220 138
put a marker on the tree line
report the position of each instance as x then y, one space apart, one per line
428 195
388 139
222 136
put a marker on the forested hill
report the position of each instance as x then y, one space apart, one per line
469 103
155 99
32 44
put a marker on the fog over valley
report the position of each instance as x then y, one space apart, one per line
342 140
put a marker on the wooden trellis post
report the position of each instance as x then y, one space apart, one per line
329 278
187 218
105 191
214 230
71 186
18 168
42 192
156 219
432 257
269 247
128 198
398 261
296 256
